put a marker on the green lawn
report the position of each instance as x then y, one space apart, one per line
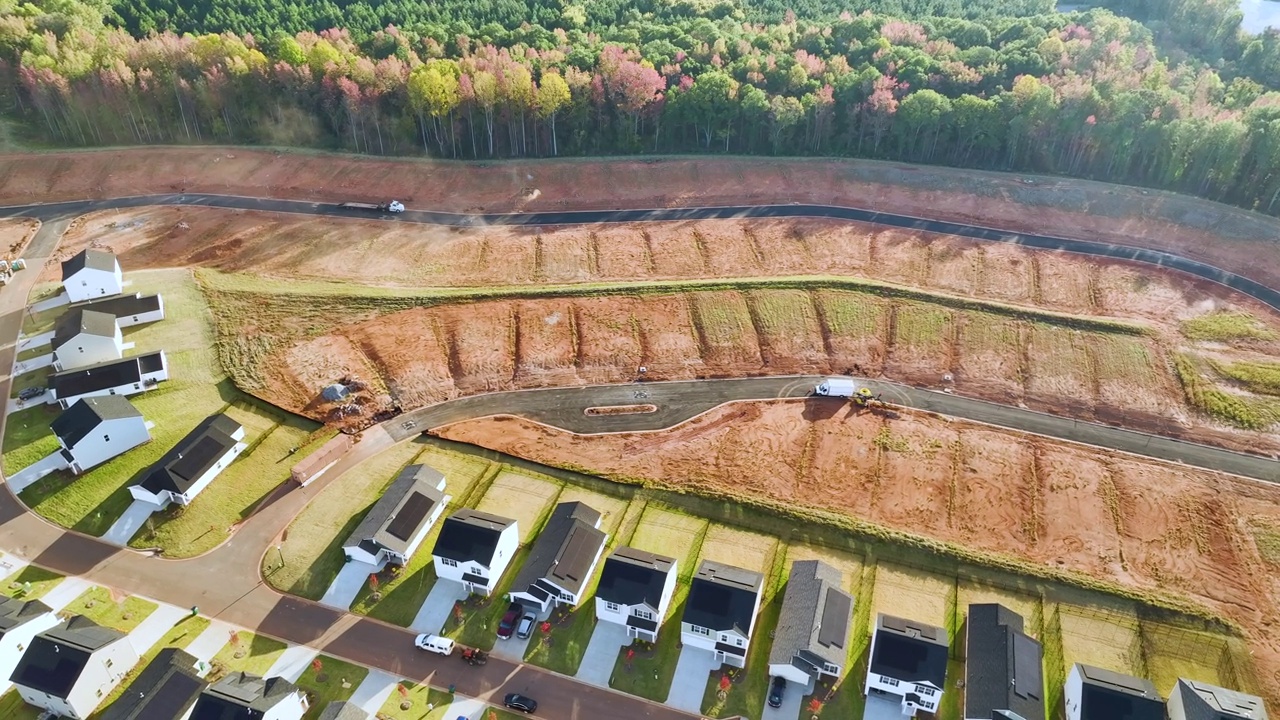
35 378
179 636
34 352
569 638
336 680
313 542
480 616
257 653
13 708
27 438
198 388
34 323
420 698
650 671
497 713
41 581
97 605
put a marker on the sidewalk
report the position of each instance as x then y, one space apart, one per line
150 631
51 303
208 643
292 662
372 692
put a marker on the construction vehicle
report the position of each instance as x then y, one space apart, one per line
847 388
394 206
474 656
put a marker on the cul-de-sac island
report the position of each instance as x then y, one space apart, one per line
904 361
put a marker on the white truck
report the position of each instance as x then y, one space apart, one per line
836 387
394 206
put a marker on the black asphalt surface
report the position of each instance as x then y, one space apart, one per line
579 217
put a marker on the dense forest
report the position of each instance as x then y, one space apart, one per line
1165 93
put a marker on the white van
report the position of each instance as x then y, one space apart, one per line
434 643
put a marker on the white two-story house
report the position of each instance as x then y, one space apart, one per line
562 559
188 468
396 525
721 611
84 337
92 274
241 695
1093 693
70 668
126 376
96 429
475 548
635 590
167 687
20 622
908 668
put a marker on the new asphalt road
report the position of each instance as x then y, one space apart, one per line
225 583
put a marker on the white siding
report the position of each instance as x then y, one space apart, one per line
426 528
109 439
668 589
125 321
792 674
105 669
146 383
140 493
688 637
508 542
230 455
15 642
617 615
290 708
1071 696
86 349
357 554
91 284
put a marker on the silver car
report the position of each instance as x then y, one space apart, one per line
525 628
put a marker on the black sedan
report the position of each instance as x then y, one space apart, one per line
776 691
523 703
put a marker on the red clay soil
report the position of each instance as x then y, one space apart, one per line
1135 522
1233 239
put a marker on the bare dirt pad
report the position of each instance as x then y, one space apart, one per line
15 233
1233 239
1143 524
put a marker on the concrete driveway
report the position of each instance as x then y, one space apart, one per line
353 576
436 608
602 653
26 342
791 701
123 530
690 682
22 479
30 364
513 647
53 302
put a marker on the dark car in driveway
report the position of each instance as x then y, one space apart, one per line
777 689
523 703
509 619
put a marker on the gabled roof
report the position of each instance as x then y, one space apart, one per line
723 597
814 620
1201 701
53 661
1003 666
470 536
566 549
123 305
241 696
106 375
403 509
342 710
86 414
82 322
909 651
15 613
89 258
192 457
634 577
165 688
1107 695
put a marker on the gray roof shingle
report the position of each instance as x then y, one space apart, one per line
186 462
815 616
86 414
165 688
88 258
1109 695
398 507
1202 701
563 553
1003 665
82 322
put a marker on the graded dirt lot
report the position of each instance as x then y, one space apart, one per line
1138 523
15 233
1230 238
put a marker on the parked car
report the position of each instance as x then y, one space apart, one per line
30 393
776 691
509 620
434 643
525 628
523 703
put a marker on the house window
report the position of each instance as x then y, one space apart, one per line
567 597
926 691
448 562
112 391
889 681
642 614
109 662
828 667
106 438
611 606
697 630
724 638
738 641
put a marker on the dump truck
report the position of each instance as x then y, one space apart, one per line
394 206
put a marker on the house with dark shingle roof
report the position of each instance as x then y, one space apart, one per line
1003 665
166 688
562 559
635 590
20 622
129 310
1192 700
908 668
92 274
811 640
190 465
1097 694
397 523
241 696
96 429
127 376
475 548
84 337
69 668
343 710
721 611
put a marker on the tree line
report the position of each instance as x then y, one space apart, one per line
1089 94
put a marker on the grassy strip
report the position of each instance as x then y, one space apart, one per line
97 605
27 438
247 652
40 580
1260 377
1214 402
1226 327
335 680
12 707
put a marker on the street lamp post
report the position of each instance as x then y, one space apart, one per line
280 549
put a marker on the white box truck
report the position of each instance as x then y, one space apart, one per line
836 387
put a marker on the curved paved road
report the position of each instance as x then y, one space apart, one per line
224 587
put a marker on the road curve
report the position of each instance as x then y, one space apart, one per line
1111 251
225 582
